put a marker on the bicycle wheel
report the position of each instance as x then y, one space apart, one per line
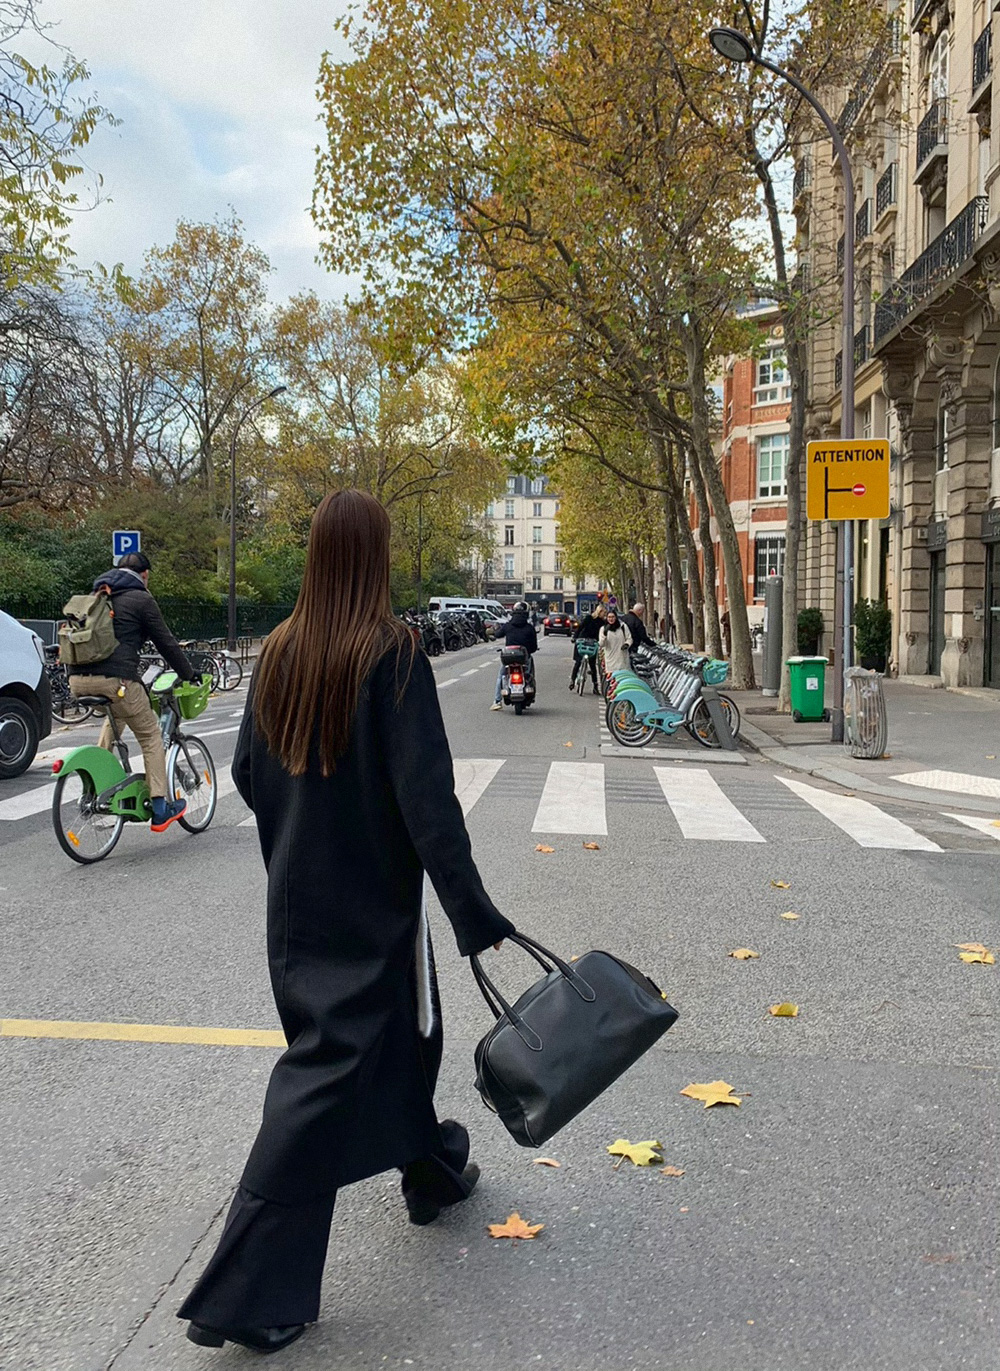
67 708
700 724
230 672
624 727
191 777
584 672
84 832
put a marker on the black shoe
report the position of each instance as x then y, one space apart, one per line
572 685
424 1209
257 1339
596 691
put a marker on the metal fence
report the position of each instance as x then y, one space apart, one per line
187 618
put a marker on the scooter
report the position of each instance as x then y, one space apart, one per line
518 687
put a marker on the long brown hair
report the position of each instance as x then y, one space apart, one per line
314 664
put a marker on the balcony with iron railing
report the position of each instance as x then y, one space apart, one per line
935 264
932 136
802 181
862 353
863 222
982 67
887 191
888 48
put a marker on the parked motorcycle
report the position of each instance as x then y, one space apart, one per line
518 686
425 631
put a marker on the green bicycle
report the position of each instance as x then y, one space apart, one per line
96 794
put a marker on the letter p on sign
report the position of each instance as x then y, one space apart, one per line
124 541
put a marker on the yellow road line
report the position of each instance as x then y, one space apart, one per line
140 1033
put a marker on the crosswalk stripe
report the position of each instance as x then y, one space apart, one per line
30 802
991 827
573 800
472 776
701 809
868 825
248 823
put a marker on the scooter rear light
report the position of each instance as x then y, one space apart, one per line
516 678
57 767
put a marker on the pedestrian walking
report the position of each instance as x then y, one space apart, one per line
636 626
615 640
343 758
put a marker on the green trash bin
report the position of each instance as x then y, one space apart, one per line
807 678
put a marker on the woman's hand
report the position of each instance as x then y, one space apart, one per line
497 946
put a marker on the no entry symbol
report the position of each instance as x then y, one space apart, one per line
859 489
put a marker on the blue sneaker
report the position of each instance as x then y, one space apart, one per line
165 812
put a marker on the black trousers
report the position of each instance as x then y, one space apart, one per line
267 1270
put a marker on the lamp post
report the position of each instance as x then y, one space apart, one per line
231 630
736 47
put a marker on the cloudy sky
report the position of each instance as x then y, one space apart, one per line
217 105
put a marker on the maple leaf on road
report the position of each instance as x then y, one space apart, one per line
743 954
515 1227
785 1010
641 1153
714 1092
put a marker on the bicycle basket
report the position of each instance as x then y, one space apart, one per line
715 672
586 647
192 698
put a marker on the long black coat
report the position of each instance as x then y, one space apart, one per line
345 856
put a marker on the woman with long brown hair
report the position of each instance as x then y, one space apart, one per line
343 758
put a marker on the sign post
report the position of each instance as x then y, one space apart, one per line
124 541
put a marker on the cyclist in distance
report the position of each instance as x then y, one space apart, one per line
589 629
137 618
518 631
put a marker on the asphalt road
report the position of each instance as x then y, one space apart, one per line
844 1216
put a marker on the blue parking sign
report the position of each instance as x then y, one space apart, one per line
124 541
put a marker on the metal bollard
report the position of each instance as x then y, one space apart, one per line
773 597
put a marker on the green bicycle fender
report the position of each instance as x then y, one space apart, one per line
132 802
103 767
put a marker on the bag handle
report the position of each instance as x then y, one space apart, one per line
499 1006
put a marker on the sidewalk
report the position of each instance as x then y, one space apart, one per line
948 744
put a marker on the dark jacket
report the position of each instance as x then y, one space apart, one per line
637 629
589 627
345 857
137 619
519 631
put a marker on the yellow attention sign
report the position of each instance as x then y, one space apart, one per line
848 478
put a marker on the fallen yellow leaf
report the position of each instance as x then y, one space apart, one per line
991 756
785 1010
715 1092
780 885
515 1227
743 954
971 947
995 823
671 1171
567 744
547 1161
977 958
790 914
592 847
542 848
640 1154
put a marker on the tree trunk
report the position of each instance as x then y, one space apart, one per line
741 663
675 523
713 632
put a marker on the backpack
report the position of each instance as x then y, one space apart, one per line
88 635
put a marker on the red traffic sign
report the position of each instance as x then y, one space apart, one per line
859 489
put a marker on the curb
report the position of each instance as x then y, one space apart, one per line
707 756
772 751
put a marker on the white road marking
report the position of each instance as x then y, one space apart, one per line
961 782
573 800
991 827
702 811
470 673
472 776
450 681
868 825
214 732
248 823
30 802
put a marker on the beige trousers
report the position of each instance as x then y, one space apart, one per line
134 710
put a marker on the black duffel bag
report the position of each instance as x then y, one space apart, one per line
565 1040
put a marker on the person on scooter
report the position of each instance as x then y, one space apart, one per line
518 631
137 618
589 630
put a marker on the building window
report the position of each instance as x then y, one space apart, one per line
536 583
508 535
559 558
511 485
488 571
536 561
490 511
508 510
772 458
772 376
537 509
536 534
508 567
538 486
769 560
558 583
581 586
943 433
937 69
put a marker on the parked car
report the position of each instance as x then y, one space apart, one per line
558 623
25 697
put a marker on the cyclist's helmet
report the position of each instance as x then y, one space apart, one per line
521 604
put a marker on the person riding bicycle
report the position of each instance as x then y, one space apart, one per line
518 631
137 618
588 630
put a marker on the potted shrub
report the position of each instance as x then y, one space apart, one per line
872 633
810 630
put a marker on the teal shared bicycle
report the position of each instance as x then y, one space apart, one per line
96 793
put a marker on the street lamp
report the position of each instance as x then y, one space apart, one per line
736 47
278 390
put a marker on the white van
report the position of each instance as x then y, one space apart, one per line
444 602
25 697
